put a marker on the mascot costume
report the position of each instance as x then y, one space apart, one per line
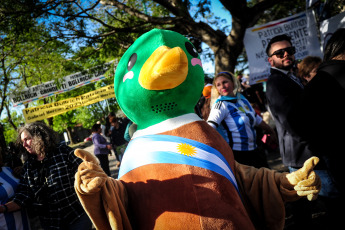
177 171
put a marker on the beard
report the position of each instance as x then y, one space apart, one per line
282 65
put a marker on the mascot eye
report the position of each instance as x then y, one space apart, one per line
132 61
191 49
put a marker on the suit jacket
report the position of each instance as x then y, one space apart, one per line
284 100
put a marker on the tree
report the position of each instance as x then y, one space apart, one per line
13 33
69 36
102 23
118 19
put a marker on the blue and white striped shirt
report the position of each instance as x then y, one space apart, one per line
12 220
235 119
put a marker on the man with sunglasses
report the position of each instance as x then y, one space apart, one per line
284 92
284 96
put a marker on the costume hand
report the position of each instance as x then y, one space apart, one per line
305 180
90 177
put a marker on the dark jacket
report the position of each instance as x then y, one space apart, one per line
49 185
324 105
284 100
117 135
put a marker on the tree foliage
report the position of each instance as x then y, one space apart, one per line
47 40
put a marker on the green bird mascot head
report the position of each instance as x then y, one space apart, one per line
159 77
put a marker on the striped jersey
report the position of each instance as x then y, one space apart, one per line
12 220
235 120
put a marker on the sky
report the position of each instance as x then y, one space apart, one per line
217 9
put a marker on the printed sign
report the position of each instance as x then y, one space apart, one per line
52 109
329 26
51 88
300 27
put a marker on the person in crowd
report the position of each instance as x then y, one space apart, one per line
48 181
102 127
255 95
11 159
325 131
107 123
17 220
307 68
130 130
284 93
204 102
101 147
236 118
203 108
117 139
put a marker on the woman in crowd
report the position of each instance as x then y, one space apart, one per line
17 220
307 68
101 147
48 181
236 120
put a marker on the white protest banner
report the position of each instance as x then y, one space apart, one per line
329 26
68 83
300 27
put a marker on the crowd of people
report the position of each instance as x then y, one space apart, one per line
301 125
296 95
302 98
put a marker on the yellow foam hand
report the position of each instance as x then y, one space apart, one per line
305 180
90 177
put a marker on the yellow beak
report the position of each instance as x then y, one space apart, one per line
166 68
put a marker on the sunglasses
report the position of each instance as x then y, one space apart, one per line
280 53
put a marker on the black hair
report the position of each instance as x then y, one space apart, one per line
335 45
279 38
95 127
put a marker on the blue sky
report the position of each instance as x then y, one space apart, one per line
218 10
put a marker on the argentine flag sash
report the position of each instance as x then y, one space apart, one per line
155 149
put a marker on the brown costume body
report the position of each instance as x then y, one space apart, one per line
169 196
172 196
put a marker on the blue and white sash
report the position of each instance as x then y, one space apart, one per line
155 149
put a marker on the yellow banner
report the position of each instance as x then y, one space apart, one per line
52 109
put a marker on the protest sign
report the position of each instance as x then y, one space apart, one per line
52 109
68 83
300 27
329 26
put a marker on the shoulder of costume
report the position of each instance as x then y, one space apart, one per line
169 124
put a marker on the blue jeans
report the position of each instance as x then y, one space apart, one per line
328 188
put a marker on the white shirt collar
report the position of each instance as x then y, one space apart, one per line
170 124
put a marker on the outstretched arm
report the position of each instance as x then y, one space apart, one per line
264 191
103 198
